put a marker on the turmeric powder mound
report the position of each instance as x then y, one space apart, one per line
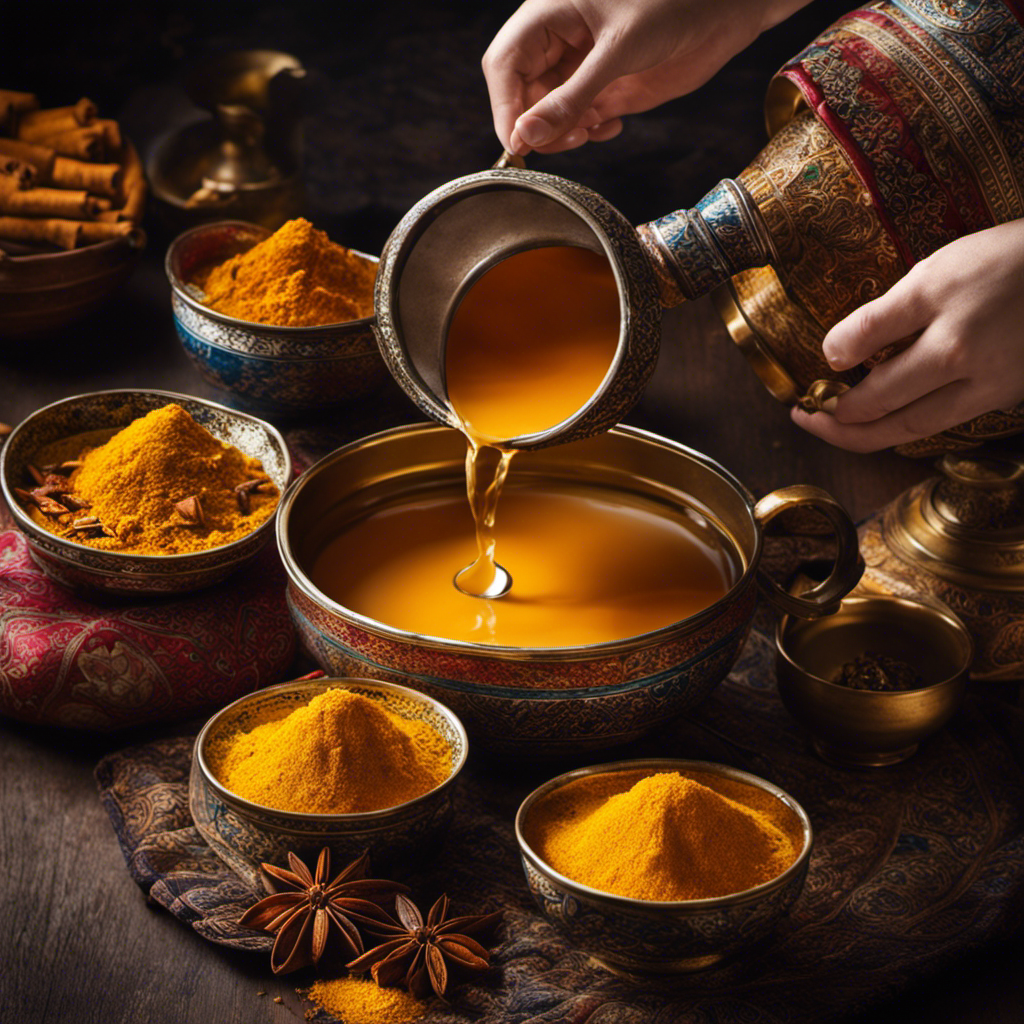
358 1001
342 753
667 837
132 481
297 277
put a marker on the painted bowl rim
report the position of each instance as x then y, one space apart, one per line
298 578
795 672
257 811
614 902
25 523
180 291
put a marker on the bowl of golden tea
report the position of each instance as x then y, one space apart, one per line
143 492
352 764
876 679
634 568
281 321
663 866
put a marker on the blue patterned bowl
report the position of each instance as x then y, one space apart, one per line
122 572
244 834
639 938
271 371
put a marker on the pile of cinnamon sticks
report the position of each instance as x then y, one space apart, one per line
67 177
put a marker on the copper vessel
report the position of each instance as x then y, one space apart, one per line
898 130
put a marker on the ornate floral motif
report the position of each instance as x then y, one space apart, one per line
66 661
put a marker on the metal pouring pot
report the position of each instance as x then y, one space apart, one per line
452 236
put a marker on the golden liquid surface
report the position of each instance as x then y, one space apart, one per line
590 565
529 344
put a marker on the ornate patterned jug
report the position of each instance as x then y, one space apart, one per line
898 130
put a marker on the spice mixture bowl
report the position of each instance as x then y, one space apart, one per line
268 370
97 570
638 938
549 701
908 662
244 834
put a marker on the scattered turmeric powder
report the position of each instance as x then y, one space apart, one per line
665 836
358 1001
297 277
342 753
131 491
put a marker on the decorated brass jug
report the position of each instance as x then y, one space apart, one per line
898 130
959 538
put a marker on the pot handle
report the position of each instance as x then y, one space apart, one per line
824 598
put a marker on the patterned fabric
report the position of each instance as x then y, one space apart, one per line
68 661
912 866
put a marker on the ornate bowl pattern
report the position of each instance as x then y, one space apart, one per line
244 834
640 937
266 369
548 701
118 572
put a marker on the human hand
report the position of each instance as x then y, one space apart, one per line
564 72
965 303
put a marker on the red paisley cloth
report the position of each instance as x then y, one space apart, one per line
68 661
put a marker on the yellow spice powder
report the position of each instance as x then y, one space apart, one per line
665 836
359 1001
342 753
297 277
132 480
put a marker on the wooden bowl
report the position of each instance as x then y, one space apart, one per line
41 292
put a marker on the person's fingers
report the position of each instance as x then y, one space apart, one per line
937 411
570 140
903 310
925 366
607 130
522 50
563 108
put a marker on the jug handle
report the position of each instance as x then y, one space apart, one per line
508 159
824 598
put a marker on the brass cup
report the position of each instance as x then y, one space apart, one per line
865 728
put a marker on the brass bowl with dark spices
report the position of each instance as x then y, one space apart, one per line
908 661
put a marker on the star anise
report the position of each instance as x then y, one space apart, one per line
243 490
304 908
417 955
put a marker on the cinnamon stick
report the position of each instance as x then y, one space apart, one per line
71 204
133 184
23 174
13 104
100 179
63 233
102 231
111 134
81 143
40 157
36 124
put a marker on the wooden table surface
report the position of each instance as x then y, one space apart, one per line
406 111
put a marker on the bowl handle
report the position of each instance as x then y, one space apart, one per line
824 598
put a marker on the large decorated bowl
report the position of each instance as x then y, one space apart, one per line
547 700
265 369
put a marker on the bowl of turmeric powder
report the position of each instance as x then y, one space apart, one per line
143 492
353 764
281 322
663 866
